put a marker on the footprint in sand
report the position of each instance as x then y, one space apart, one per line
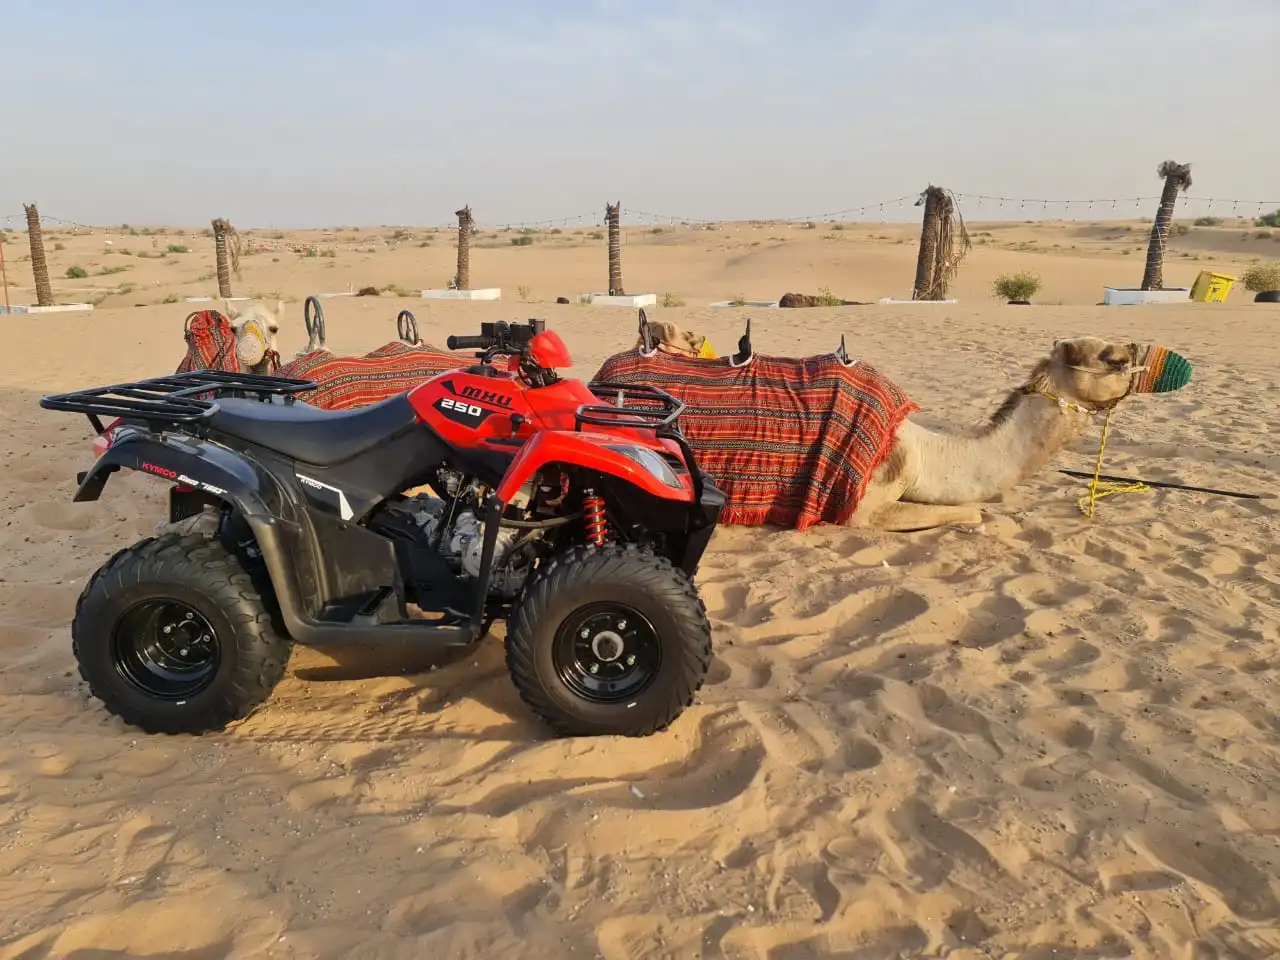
1210 861
869 612
58 516
142 848
725 601
931 847
992 620
738 669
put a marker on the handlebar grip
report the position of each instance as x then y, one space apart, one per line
469 343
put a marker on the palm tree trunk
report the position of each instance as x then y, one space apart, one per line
465 225
1177 176
613 217
927 258
225 253
39 265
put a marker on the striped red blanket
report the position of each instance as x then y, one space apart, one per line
791 441
211 343
341 382
346 382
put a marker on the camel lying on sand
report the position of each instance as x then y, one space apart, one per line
341 382
920 478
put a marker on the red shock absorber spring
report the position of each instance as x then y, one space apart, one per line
594 518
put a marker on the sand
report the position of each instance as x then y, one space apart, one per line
1044 738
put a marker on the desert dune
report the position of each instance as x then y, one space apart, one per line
1047 737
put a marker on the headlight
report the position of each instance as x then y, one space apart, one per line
649 460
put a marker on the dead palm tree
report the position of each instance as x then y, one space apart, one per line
1177 178
939 258
39 265
226 248
613 217
466 224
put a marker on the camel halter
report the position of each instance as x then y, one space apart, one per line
1100 488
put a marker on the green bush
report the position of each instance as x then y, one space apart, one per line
1017 286
1262 277
521 241
76 273
1271 219
1208 221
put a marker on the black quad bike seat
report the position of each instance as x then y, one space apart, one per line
313 435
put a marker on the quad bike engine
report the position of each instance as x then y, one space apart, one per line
460 538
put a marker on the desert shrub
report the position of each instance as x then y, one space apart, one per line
1208 221
1181 229
1271 219
828 299
521 241
76 273
1016 286
1262 277
177 248
670 299
524 291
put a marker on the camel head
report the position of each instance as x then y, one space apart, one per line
664 333
1089 371
256 327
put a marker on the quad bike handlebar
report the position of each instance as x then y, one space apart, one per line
499 336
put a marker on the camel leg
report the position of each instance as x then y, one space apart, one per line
901 517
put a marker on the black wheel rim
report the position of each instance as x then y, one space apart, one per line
166 649
607 652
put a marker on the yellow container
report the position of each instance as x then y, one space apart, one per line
1211 287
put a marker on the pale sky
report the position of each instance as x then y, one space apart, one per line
381 112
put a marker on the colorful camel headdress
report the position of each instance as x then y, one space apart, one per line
1160 370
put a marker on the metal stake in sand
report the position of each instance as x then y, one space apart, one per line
39 265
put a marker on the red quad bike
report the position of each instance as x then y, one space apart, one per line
575 511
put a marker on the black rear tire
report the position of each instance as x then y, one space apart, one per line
609 640
172 635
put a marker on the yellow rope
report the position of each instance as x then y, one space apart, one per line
1106 488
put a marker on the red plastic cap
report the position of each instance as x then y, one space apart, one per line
548 351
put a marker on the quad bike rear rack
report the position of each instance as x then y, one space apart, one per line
172 399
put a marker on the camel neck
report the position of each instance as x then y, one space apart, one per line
1029 430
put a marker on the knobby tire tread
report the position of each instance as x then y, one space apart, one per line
635 566
205 565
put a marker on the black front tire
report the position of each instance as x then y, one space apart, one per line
228 657
669 629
